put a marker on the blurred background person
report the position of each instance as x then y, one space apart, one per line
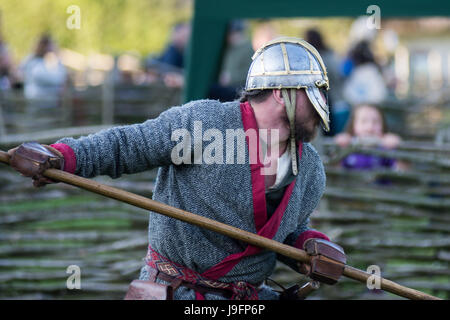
44 75
8 76
169 65
339 109
174 53
236 61
367 125
365 82
358 32
263 33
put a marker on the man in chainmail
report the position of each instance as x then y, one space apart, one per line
269 180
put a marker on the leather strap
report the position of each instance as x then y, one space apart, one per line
175 283
291 103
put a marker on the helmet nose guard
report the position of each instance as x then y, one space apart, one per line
291 63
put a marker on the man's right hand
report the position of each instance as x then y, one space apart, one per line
31 159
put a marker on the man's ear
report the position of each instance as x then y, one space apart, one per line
278 96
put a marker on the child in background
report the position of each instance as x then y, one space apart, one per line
367 125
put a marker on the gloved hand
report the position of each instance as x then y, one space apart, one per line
31 159
327 261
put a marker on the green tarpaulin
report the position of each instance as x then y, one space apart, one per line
211 17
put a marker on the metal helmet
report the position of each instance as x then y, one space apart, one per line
291 63
288 64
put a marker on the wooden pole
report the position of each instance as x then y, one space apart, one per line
230 231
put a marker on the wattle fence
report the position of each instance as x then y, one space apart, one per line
401 227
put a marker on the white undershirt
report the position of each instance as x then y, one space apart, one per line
283 166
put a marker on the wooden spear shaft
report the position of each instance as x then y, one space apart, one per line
230 231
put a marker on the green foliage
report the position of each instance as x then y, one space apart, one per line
107 26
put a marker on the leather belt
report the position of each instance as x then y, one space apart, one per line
177 275
175 283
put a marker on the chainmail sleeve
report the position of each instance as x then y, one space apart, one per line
129 149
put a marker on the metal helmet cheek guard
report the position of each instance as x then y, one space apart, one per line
289 64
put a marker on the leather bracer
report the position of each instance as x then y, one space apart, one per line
31 159
327 260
